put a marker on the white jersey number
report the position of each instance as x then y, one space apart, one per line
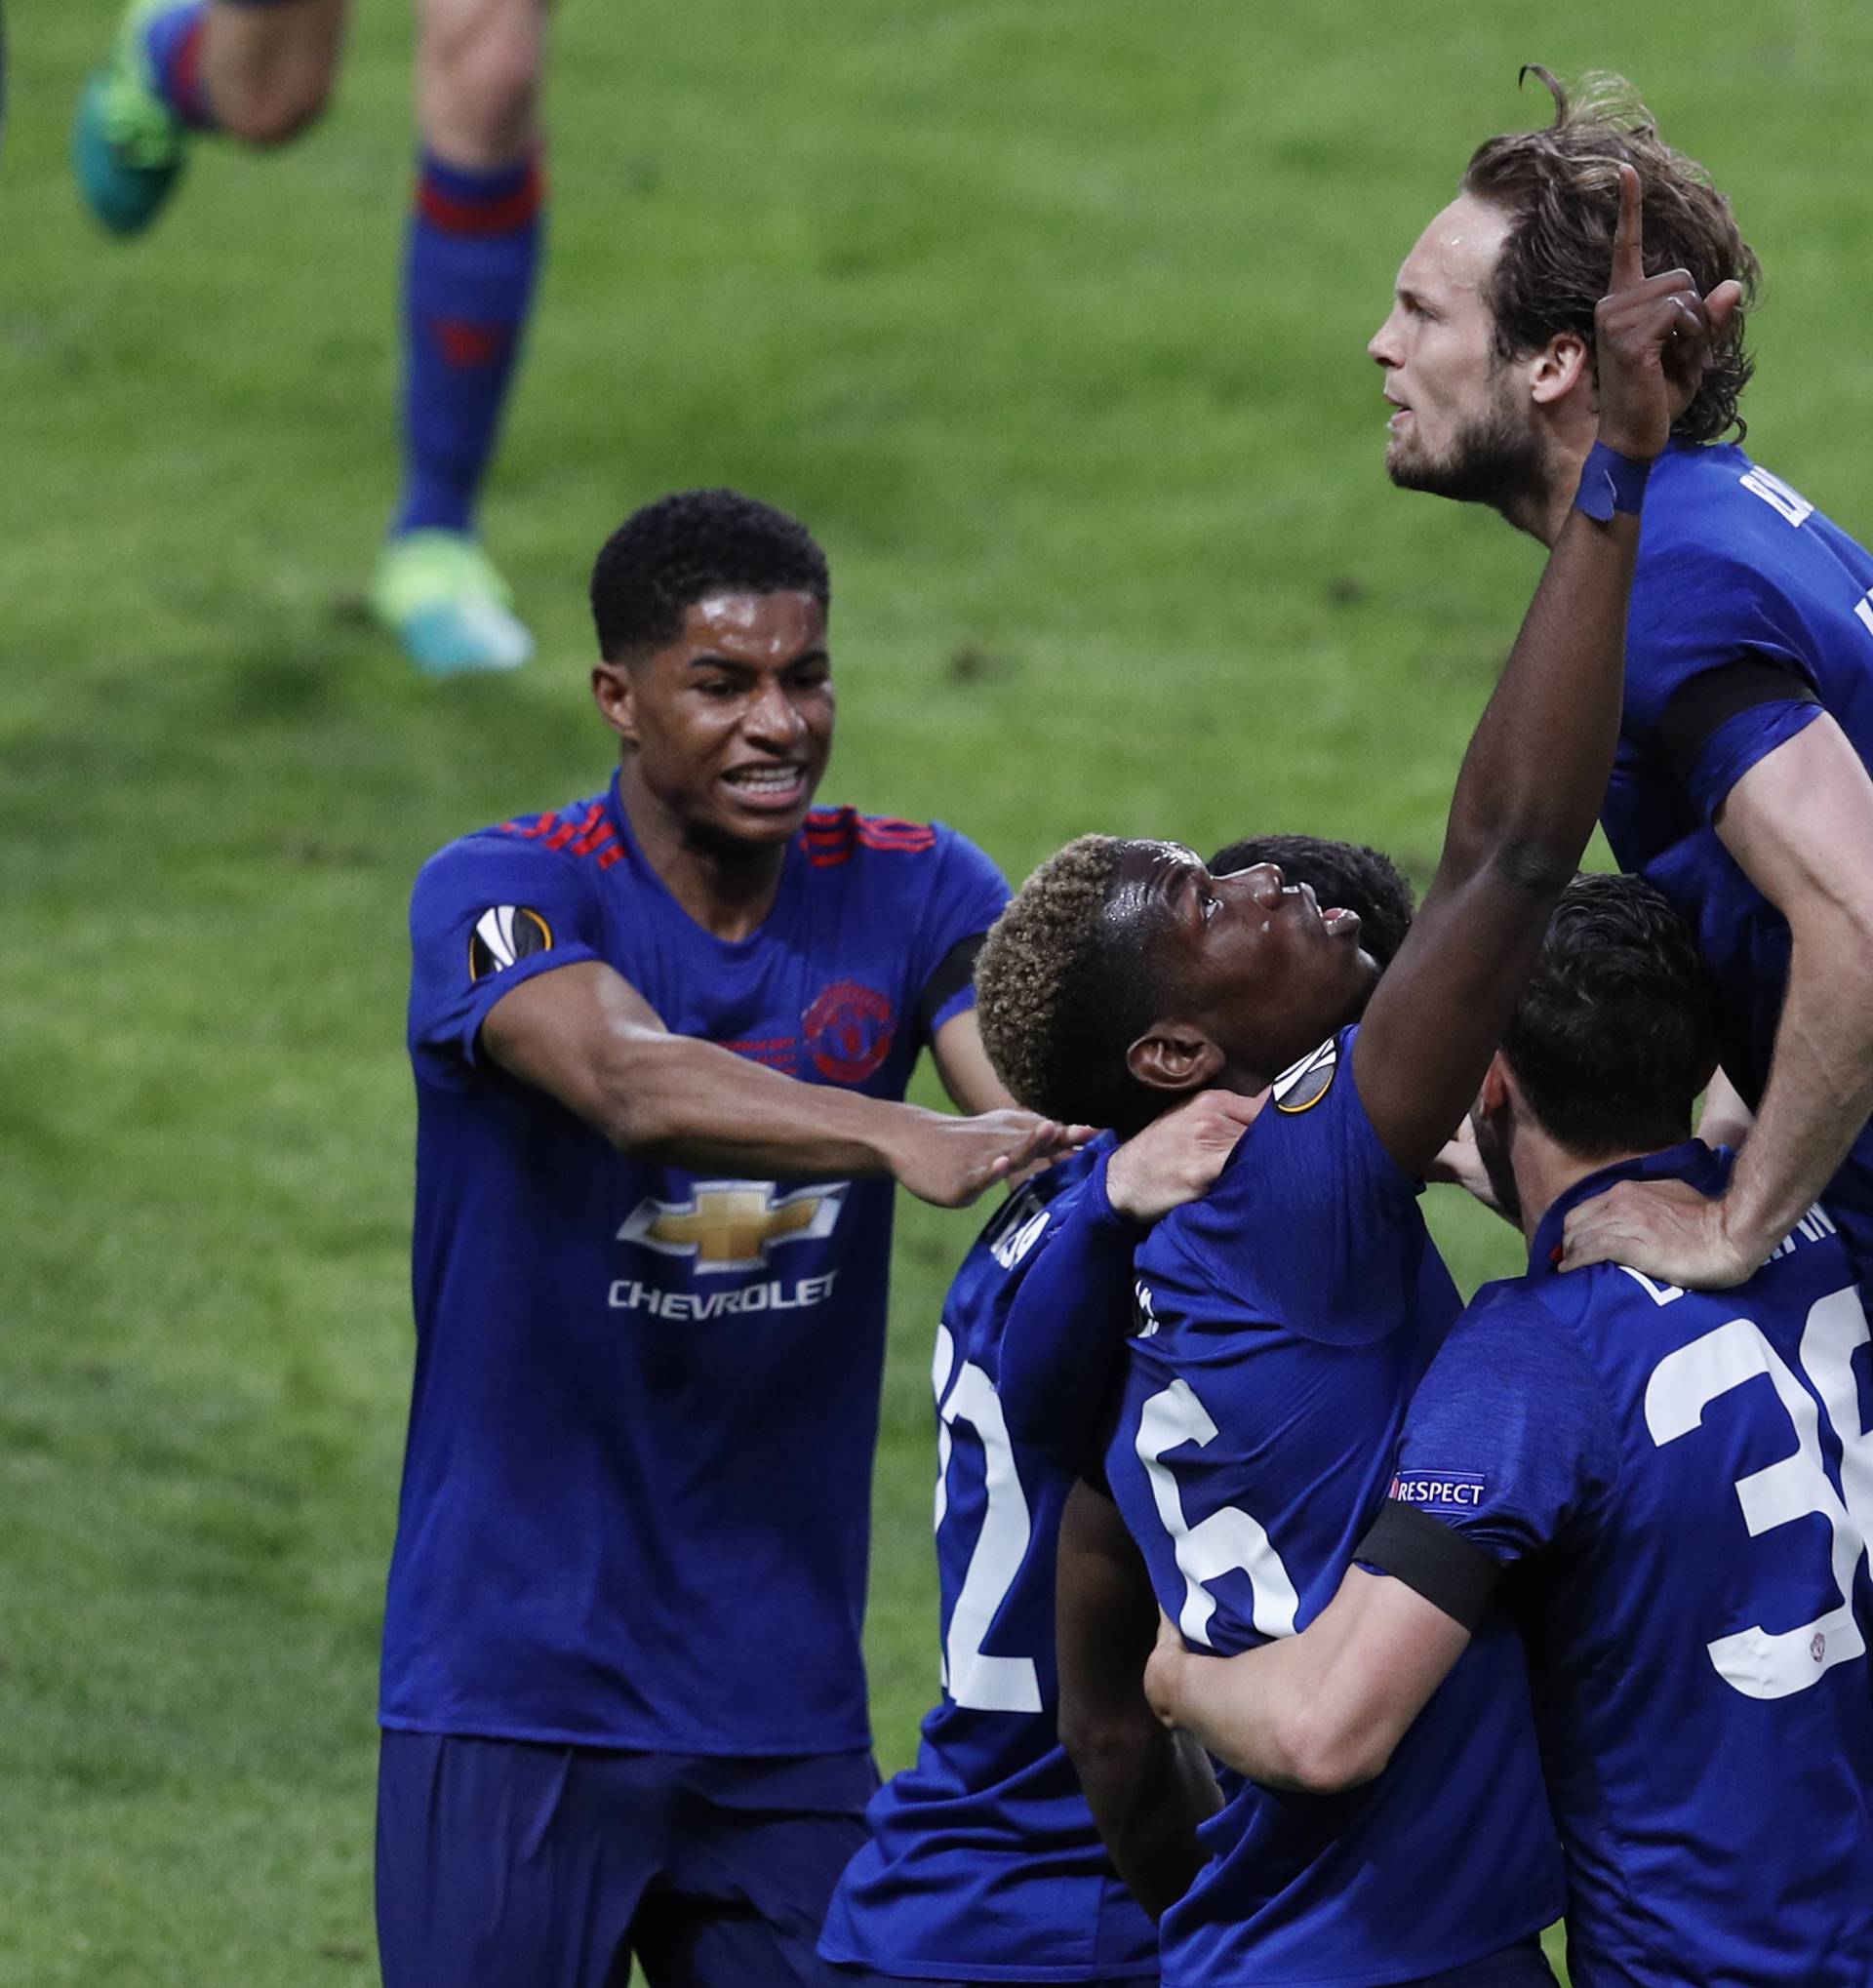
980 1682
1759 1662
1228 1542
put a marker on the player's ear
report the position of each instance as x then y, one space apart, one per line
1561 368
1171 1055
614 693
1494 1091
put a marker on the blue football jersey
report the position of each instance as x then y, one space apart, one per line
984 1863
1683 1482
1732 565
636 1491
1282 1323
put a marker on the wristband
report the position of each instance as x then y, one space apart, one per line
1610 482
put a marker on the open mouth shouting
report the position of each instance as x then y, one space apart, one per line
769 785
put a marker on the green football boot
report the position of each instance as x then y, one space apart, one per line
438 593
128 146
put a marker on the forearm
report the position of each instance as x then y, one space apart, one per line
1254 1712
697 1105
1537 769
1149 1790
1819 1093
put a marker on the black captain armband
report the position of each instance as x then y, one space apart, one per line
952 976
1431 1560
1696 708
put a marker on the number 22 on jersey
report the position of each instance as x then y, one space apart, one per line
971 1676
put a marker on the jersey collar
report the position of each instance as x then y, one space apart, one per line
1693 1161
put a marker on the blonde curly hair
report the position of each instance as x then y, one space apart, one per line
1061 993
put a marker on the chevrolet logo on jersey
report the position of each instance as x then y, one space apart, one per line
733 1224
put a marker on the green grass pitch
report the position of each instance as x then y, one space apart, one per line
1047 315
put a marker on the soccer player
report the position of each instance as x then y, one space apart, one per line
260 71
1668 1489
1741 787
1283 1319
660 1038
983 1861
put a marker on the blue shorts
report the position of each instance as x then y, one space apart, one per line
501 1862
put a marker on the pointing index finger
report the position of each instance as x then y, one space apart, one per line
1628 236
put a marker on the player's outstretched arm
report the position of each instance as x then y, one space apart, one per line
1532 780
1799 824
1148 1788
1319 1711
586 1037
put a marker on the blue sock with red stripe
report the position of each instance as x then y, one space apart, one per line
467 288
173 47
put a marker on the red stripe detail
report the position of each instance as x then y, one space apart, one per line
593 838
567 830
186 78
542 826
832 860
464 344
504 216
901 845
608 856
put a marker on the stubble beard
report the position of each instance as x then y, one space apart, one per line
1496 461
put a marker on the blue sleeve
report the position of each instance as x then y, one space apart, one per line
1739 743
1313 1222
1697 607
1507 1438
1063 1349
966 900
488 914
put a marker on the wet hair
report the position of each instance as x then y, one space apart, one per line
1561 187
681 549
1617 1032
1346 873
1063 989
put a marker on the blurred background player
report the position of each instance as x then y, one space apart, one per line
984 1861
1666 1490
261 72
623 1698
1283 1319
1741 787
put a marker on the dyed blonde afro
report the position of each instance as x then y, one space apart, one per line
1061 991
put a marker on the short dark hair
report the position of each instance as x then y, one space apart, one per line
1617 1032
1346 873
1561 187
1063 991
681 550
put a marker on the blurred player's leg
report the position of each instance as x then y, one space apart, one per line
468 286
745 1897
258 70
502 1864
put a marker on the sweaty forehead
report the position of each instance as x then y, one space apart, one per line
1148 876
1457 251
755 627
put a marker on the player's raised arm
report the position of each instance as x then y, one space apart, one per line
588 1039
1538 763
